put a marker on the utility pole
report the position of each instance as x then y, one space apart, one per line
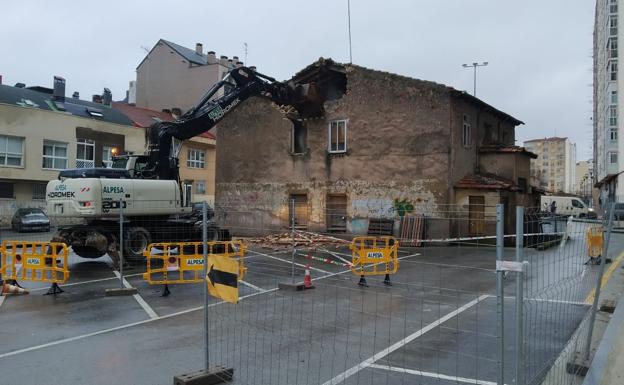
349 17
474 67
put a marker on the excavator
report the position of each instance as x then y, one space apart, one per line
146 188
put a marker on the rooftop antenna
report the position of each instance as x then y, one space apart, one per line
349 17
245 46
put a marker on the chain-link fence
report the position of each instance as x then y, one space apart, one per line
483 294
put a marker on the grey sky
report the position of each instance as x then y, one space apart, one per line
539 51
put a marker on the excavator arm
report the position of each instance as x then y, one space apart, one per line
240 84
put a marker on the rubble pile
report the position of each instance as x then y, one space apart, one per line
301 238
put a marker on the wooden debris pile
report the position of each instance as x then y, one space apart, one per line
301 239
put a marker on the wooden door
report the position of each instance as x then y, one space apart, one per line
301 210
476 215
336 213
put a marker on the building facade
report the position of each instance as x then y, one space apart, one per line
172 76
554 169
608 143
374 145
42 132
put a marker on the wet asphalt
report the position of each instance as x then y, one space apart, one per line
436 323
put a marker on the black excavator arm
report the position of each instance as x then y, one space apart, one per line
240 84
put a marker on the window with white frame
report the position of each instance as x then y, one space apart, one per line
613 157
54 155
613 6
466 131
337 136
195 158
612 116
613 25
613 69
613 99
613 134
11 150
85 153
200 187
107 156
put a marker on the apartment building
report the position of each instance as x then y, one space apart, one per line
42 132
608 143
554 169
172 76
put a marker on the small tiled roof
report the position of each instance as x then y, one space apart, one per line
29 98
508 149
143 117
486 181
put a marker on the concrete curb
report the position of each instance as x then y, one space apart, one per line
606 353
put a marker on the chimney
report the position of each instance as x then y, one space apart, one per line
199 48
212 57
223 60
58 94
97 99
239 64
230 63
107 97
76 95
235 58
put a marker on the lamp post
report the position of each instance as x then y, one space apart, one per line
474 67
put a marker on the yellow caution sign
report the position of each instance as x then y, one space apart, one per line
374 255
222 278
595 239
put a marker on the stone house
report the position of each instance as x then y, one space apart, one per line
371 145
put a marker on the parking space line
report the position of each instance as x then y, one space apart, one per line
121 327
89 281
2 300
251 285
287 261
399 344
148 309
432 375
149 320
579 303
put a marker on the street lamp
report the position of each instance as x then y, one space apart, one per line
474 66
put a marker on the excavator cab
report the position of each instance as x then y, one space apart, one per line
136 165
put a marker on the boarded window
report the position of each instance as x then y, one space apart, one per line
476 215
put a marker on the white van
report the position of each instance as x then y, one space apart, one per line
566 205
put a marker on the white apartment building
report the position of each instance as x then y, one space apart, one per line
554 169
607 143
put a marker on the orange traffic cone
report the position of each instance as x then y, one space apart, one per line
307 279
12 289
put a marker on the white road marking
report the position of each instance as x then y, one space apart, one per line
251 285
90 281
2 299
399 344
149 320
432 375
121 327
546 300
148 309
290 262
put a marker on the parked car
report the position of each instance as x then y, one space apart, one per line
30 219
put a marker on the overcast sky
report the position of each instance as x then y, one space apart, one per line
539 51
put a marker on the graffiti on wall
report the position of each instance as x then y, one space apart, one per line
375 208
403 207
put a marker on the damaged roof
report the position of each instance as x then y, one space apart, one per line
508 149
325 69
143 117
487 182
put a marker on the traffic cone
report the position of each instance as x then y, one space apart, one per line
307 279
12 289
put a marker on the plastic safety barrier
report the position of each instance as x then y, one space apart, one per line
595 239
34 261
374 255
183 262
